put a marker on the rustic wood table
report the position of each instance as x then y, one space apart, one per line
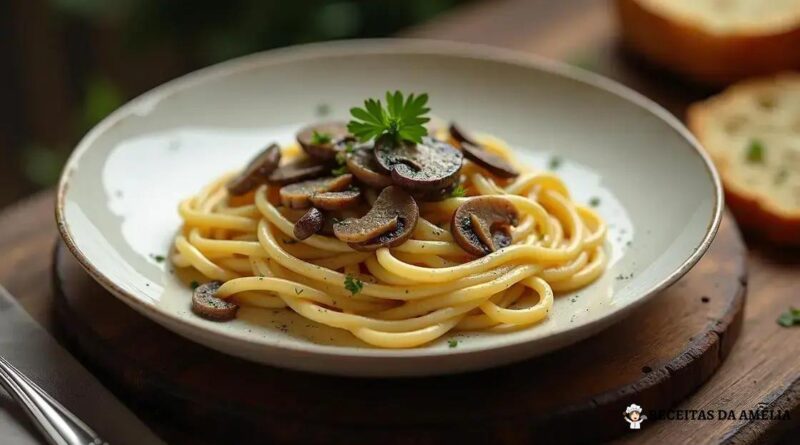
763 367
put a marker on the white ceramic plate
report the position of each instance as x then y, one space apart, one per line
119 191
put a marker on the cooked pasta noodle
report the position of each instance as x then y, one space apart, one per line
410 294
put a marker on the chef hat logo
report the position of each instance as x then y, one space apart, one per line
633 408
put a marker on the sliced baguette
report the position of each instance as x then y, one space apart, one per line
714 41
752 132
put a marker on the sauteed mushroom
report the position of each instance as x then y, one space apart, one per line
308 224
323 141
483 225
428 165
256 172
207 305
477 154
298 170
298 195
336 200
389 223
435 194
363 165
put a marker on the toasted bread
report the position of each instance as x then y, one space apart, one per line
752 132
714 41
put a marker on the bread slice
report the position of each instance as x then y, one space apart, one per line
752 132
714 41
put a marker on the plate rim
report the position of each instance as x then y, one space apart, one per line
151 97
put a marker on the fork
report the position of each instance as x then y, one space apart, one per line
57 423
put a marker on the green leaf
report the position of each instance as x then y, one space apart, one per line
320 138
354 285
789 318
402 118
755 151
458 192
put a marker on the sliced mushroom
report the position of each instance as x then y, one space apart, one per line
337 200
431 164
256 172
460 135
475 152
308 224
435 194
333 217
483 225
389 223
323 141
298 170
363 165
207 305
298 195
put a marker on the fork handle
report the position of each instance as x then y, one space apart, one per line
57 423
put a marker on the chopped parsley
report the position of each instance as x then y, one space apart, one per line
554 163
341 161
402 118
298 291
755 152
452 343
458 192
594 201
158 258
354 285
339 171
194 284
790 318
320 138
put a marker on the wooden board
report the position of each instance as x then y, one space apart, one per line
655 358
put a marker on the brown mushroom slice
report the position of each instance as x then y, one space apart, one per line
475 152
431 164
483 224
460 135
495 164
207 305
337 200
308 224
435 194
389 223
298 195
363 165
256 172
323 141
298 170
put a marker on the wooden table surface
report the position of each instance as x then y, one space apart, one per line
762 371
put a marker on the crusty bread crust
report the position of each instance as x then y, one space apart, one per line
705 57
755 212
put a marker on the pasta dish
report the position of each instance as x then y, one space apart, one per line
394 232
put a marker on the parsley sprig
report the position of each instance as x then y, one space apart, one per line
789 318
402 118
354 285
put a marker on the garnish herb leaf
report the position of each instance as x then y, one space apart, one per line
402 119
458 192
594 202
354 285
790 318
320 138
194 284
554 163
452 343
339 171
755 151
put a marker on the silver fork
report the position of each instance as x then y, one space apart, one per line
57 423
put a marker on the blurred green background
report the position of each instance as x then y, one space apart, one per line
68 63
